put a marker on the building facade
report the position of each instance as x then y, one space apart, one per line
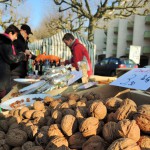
121 34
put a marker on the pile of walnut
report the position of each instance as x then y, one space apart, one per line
74 122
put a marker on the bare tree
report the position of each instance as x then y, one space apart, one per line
8 15
104 10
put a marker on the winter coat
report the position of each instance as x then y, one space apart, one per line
79 52
7 57
20 69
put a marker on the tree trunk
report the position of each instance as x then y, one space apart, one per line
91 30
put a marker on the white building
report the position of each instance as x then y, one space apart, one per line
122 33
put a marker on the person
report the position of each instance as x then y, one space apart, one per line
20 69
79 52
8 56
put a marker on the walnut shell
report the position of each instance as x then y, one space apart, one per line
76 140
64 105
54 130
129 129
73 96
28 114
40 121
38 105
95 143
142 118
2 135
81 112
110 131
113 103
31 131
37 114
72 103
17 148
125 112
57 116
4 145
36 148
57 142
4 125
48 99
54 104
97 110
15 126
129 101
90 126
27 145
68 111
81 104
16 137
124 144
144 142
42 139
50 121
22 110
16 113
69 124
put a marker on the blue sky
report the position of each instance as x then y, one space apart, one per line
37 9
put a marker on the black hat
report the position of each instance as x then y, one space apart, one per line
27 28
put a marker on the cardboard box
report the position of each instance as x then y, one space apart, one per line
107 91
102 78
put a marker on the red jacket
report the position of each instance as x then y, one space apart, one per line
79 51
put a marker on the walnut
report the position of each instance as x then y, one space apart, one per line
124 143
22 110
73 96
28 114
125 112
48 99
95 143
4 125
129 129
144 142
57 142
113 103
76 140
110 131
37 114
2 135
38 105
54 130
68 111
142 118
4 145
36 148
90 126
57 116
16 137
69 124
27 145
42 139
98 110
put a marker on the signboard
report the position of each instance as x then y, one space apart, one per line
138 78
135 52
76 75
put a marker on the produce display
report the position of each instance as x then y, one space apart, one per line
77 122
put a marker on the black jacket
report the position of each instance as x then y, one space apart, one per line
20 69
6 56
6 59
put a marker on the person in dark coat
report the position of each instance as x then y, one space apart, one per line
79 52
20 69
8 56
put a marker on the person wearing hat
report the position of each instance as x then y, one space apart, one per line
20 69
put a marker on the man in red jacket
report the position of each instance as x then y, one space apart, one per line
79 52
